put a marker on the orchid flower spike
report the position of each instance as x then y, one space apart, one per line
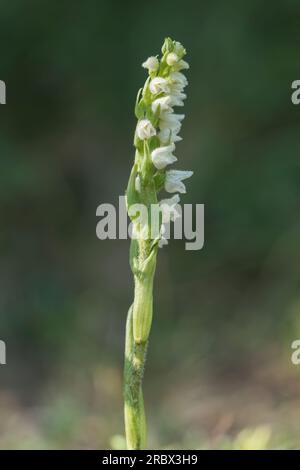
158 125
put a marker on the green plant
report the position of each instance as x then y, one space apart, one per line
155 136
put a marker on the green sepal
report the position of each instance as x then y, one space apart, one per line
156 117
150 114
147 93
146 166
154 142
139 109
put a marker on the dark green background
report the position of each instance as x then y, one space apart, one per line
219 359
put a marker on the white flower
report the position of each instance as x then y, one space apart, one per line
152 64
178 78
169 210
171 121
162 156
177 99
181 65
137 184
172 58
166 136
177 90
177 83
159 85
144 129
164 103
179 49
174 178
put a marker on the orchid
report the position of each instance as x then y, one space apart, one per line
156 133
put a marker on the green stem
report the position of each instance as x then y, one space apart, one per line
135 356
137 333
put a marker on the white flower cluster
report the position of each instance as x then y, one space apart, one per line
160 125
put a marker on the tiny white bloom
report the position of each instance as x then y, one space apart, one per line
177 89
178 95
137 183
167 135
172 58
172 117
152 64
178 78
162 156
159 85
171 121
177 100
145 129
181 65
164 103
174 178
179 49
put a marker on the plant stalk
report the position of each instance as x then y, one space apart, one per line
135 356
138 327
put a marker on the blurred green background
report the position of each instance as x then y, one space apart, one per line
219 373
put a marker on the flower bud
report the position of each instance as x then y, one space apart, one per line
179 49
172 58
167 45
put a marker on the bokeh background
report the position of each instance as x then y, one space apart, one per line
219 373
